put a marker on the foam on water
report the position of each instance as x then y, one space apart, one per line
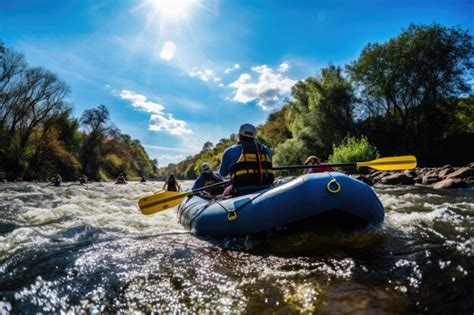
89 249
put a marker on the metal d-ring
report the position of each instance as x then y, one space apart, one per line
231 215
331 183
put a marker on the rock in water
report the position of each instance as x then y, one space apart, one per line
450 183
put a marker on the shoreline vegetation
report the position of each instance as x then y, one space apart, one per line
445 177
409 95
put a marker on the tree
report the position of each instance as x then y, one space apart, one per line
275 130
29 97
96 124
320 114
207 146
407 83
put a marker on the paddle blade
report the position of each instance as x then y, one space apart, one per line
160 201
391 163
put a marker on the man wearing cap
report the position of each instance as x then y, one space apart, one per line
248 163
207 178
314 160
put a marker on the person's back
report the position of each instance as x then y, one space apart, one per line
171 184
121 179
206 178
57 180
83 180
248 163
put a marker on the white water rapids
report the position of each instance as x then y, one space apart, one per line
88 248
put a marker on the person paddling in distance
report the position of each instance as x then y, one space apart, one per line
248 163
171 184
83 180
57 180
120 179
314 160
208 177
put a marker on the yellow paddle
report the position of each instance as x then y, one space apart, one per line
168 199
392 163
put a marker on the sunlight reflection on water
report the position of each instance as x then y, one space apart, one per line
88 248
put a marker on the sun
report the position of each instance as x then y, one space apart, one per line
171 10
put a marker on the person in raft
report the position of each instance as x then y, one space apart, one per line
83 180
171 184
57 180
207 178
248 163
314 160
121 179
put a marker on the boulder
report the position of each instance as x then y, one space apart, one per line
410 173
446 166
463 172
469 180
429 179
376 179
397 179
364 179
445 171
450 183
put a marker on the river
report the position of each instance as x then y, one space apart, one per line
89 249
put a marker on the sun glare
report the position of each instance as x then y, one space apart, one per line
172 9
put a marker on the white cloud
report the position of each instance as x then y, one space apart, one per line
177 149
284 67
268 91
205 75
159 121
229 70
141 102
167 123
168 51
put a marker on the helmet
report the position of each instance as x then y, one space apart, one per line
248 130
311 158
206 168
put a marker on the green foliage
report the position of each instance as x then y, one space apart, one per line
292 151
275 130
409 82
354 150
321 111
39 138
462 116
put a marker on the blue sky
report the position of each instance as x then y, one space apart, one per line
175 74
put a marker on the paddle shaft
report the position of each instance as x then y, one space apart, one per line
291 167
211 186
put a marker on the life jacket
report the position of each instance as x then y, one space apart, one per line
211 178
171 184
252 170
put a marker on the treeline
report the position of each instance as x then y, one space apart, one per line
409 95
39 138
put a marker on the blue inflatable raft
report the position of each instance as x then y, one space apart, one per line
329 200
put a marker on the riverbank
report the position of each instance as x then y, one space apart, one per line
445 177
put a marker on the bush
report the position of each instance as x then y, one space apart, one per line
354 150
290 152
